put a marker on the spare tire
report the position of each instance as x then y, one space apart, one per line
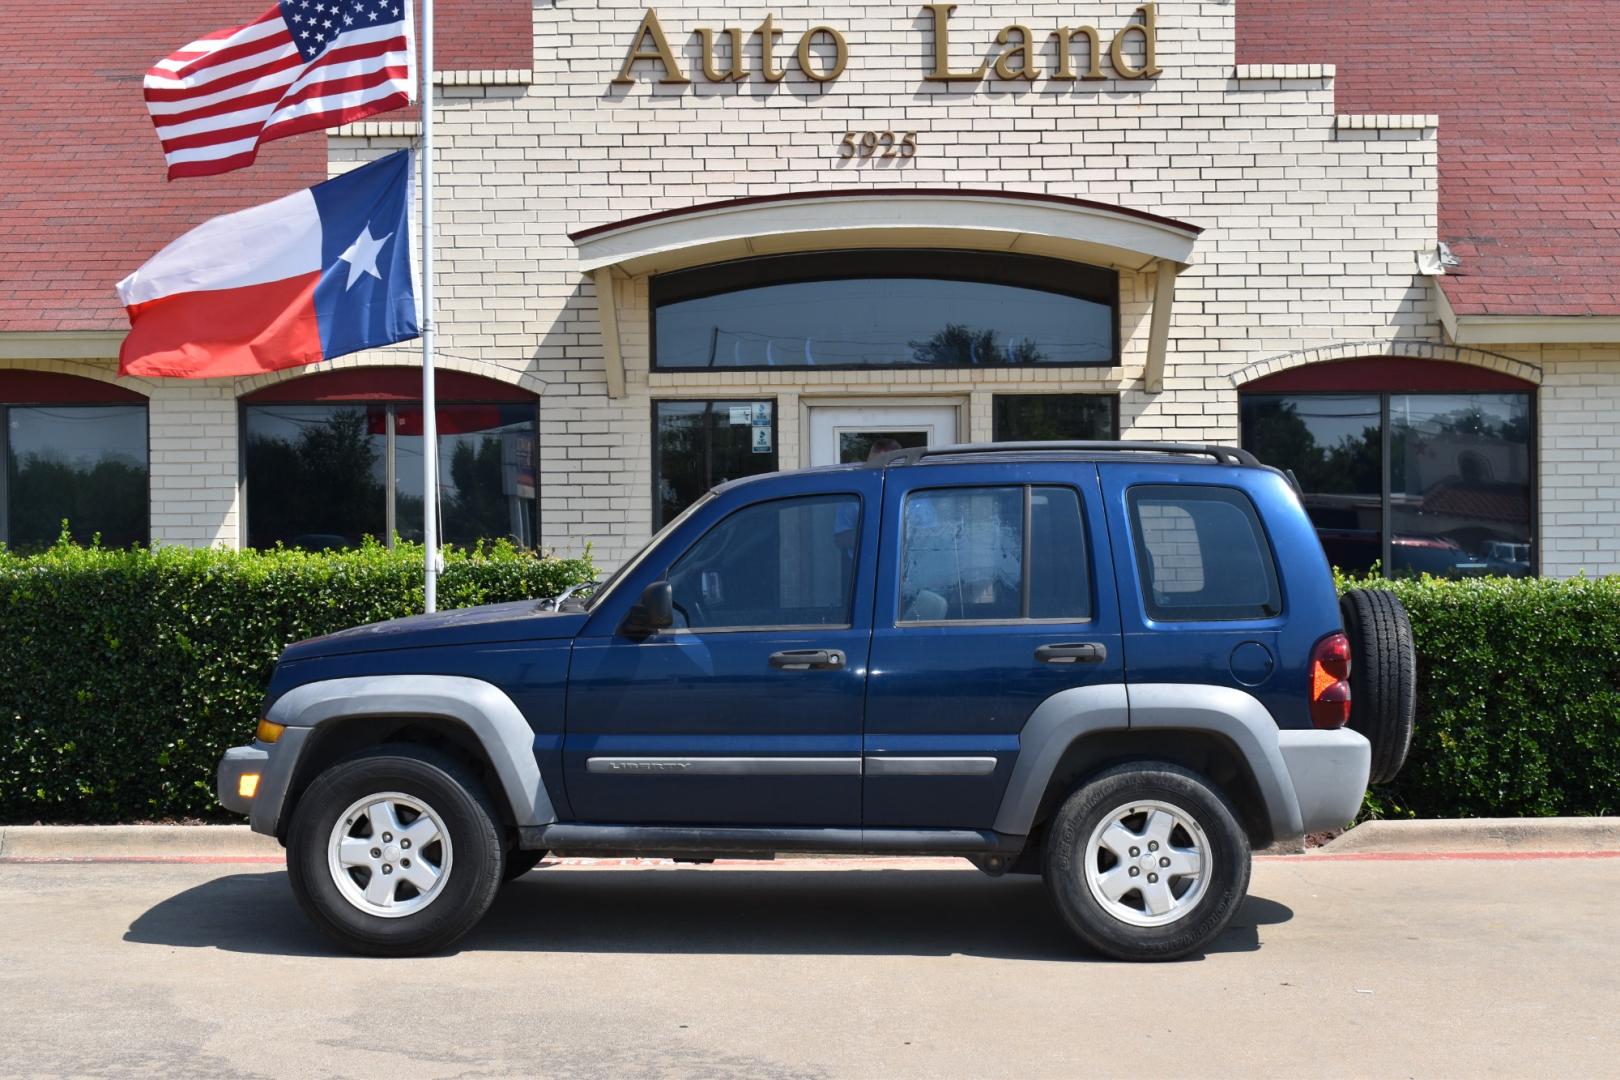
1383 676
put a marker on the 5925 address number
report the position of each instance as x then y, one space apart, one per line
878 144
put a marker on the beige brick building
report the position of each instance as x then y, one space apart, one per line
663 263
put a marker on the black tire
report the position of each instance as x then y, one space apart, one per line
520 862
1383 676
469 819
1069 834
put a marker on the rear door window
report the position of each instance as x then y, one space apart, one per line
1202 554
994 554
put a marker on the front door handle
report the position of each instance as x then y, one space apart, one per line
1075 652
808 659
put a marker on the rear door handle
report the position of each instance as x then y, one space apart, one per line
808 659
1074 652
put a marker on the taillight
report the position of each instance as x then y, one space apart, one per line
1330 682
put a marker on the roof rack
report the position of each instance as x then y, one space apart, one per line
1224 455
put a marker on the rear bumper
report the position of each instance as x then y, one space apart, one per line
274 764
1328 772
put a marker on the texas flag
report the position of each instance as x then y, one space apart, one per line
317 274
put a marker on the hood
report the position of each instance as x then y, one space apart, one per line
523 620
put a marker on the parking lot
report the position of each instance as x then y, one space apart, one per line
1335 967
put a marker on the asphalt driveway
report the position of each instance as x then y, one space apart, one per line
1335 967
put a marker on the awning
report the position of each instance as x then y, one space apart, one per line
1054 226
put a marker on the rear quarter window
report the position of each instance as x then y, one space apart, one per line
1201 554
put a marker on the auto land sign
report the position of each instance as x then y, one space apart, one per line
822 54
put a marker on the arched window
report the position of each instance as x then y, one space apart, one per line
73 450
1419 466
866 309
331 458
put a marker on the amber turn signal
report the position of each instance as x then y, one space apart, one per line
247 785
269 731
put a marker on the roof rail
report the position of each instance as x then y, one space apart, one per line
1224 455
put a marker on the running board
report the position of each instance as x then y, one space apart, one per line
576 839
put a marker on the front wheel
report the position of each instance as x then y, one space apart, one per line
1146 861
395 852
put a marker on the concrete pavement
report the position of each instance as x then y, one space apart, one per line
1355 966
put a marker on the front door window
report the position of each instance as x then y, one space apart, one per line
775 564
849 434
858 446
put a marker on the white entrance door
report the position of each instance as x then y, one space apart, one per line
845 433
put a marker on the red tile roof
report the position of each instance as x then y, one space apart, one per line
1528 97
82 195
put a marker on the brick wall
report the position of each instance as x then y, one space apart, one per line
1579 458
1311 225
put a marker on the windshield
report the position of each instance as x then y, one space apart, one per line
635 560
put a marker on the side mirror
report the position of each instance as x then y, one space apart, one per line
653 612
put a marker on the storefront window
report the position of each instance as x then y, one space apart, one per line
329 474
83 464
698 444
71 450
860 309
486 472
1045 417
1437 483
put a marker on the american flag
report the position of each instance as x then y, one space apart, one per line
302 65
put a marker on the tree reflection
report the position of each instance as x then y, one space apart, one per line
959 345
106 497
322 489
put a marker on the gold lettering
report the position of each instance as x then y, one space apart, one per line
1064 36
706 50
840 54
660 51
767 34
942 48
1024 51
1149 31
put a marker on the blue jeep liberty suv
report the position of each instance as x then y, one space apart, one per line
1121 666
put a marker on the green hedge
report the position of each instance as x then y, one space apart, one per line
1518 707
125 674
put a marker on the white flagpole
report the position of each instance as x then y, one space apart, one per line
430 424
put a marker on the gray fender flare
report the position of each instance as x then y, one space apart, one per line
481 707
1087 710
1055 724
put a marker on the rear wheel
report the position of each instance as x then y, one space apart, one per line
395 852
1383 676
1146 862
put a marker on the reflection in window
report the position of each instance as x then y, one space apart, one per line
1202 555
317 475
884 309
788 562
1460 501
963 551
1331 442
1047 417
486 472
1457 488
698 444
83 464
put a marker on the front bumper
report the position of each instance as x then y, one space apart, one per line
1328 771
274 764
240 761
